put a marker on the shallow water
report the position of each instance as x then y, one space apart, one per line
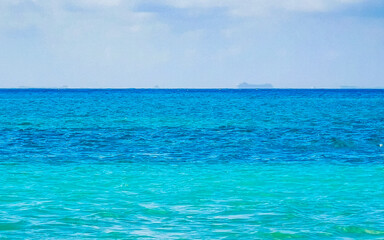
191 164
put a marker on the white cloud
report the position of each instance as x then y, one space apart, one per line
233 7
258 7
105 3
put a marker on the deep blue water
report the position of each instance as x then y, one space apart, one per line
191 164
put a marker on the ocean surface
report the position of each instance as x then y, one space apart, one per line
191 164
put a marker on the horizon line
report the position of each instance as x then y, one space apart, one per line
224 88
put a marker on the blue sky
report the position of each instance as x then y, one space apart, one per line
191 43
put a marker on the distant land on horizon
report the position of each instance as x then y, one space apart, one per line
246 85
348 87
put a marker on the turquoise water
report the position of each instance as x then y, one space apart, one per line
192 164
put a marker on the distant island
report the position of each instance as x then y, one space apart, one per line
245 85
348 87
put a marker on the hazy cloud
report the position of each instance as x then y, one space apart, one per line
260 7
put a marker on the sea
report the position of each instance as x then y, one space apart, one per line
191 164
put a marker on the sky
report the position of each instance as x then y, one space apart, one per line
191 43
